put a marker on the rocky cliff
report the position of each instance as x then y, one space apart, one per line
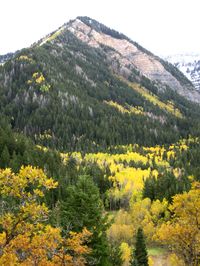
126 56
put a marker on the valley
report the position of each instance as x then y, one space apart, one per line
99 153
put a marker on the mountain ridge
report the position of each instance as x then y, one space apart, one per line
68 94
156 69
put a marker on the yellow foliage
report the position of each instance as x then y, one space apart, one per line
25 238
39 79
158 208
126 253
16 185
150 261
122 229
148 214
182 233
169 106
174 260
138 110
55 34
128 180
25 58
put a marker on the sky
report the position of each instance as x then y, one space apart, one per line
165 27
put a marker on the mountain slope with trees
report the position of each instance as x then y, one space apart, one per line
66 94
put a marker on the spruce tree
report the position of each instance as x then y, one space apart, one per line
82 207
5 158
116 255
140 256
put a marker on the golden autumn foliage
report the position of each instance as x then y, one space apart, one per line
126 253
174 260
169 106
133 166
25 58
38 79
122 228
150 261
182 233
127 173
138 110
25 237
148 215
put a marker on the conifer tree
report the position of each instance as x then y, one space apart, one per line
5 157
82 207
140 256
116 255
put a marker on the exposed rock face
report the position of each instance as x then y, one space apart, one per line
125 57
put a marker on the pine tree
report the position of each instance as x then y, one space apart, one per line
115 255
140 256
82 207
5 157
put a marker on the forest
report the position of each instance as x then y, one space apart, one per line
97 167
80 208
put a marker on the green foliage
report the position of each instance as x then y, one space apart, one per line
83 207
140 256
64 96
115 255
63 91
165 186
156 251
5 157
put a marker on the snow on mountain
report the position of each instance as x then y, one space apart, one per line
189 64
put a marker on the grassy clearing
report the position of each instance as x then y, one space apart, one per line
156 251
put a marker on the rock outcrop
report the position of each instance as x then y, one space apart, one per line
125 57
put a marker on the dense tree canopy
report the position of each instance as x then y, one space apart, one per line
182 233
25 236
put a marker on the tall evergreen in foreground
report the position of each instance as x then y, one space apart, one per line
140 256
82 207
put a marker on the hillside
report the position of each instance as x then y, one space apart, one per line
87 87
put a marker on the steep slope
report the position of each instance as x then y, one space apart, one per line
88 87
189 64
127 56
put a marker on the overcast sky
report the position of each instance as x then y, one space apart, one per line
162 26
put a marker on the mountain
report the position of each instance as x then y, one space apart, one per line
127 56
6 57
87 87
189 65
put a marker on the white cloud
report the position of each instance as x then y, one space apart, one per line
163 27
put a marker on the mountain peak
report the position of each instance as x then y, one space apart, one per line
85 79
126 58
129 59
99 27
